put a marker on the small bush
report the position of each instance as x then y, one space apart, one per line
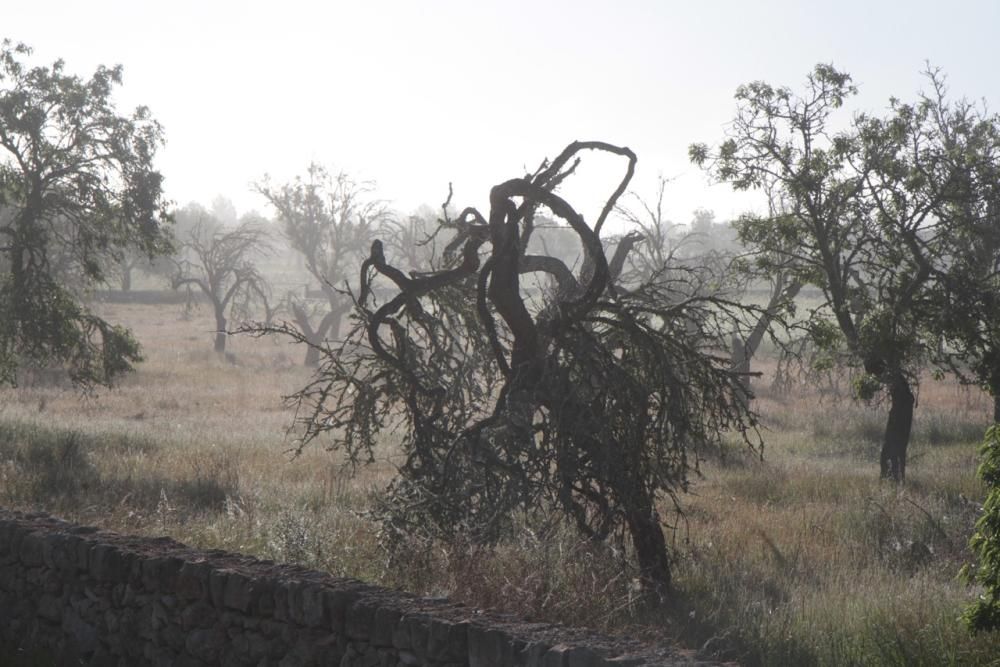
984 614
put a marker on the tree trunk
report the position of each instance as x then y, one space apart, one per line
312 356
330 322
740 361
126 278
743 351
897 429
650 550
996 407
220 332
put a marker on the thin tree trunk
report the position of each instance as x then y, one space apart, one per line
315 337
740 362
897 429
312 355
220 332
996 407
782 293
328 328
743 351
650 550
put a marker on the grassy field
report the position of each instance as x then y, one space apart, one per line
802 558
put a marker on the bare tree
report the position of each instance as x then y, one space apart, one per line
593 399
667 253
330 221
219 262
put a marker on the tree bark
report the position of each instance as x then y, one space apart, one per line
220 331
897 429
743 351
312 356
330 322
650 549
740 362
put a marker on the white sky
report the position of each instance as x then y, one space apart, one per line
414 94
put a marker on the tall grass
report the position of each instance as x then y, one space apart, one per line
804 558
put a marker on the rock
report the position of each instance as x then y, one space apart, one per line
386 620
205 644
360 620
192 581
488 647
198 615
447 641
314 614
236 594
82 634
31 551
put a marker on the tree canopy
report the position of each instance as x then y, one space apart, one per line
863 217
77 185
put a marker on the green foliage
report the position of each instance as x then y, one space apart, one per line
984 614
894 219
77 191
866 386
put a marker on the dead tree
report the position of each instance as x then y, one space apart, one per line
665 254
593 399
220 263
330 220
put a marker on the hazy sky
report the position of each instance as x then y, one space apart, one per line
416 94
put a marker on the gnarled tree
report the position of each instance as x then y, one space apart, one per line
592 399
330 220
220 262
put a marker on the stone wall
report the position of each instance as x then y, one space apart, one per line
92 597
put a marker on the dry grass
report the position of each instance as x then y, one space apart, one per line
803 558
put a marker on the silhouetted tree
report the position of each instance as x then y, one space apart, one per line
593 399
77 187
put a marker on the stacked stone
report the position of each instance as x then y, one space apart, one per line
105 599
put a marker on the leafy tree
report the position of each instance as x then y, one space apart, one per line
933 190
857 219
968 226
593 399
330 220
77 186
220 262
984 614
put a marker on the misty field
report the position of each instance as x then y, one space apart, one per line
802 558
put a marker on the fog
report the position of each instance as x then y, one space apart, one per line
415 96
